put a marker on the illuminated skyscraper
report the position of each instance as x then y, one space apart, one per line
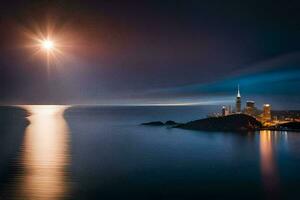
229 109
250 108
266 112
225 111
238 101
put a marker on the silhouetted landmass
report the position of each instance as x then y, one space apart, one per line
236 122
155 123
171 123
160 123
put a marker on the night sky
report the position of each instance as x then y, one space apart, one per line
121 52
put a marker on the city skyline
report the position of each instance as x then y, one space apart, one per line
149 99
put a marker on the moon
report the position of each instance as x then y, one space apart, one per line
47 44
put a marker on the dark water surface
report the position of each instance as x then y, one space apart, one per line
103 153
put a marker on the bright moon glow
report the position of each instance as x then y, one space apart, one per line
47 45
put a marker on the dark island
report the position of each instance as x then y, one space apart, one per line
155 123
234 122
159 123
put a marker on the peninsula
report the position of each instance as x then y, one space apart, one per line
234 122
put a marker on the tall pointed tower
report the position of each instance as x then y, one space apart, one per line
238 103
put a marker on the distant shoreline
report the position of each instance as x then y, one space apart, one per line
235 122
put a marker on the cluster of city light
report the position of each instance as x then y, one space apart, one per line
250 109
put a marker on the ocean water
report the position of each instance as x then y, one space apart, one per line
104 153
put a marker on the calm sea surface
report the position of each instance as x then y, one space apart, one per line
103 153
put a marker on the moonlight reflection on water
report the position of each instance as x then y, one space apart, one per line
45 154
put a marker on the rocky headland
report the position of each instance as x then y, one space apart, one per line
234 122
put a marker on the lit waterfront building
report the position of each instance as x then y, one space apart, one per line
229 109
225 111
238 104
250 108
266 112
